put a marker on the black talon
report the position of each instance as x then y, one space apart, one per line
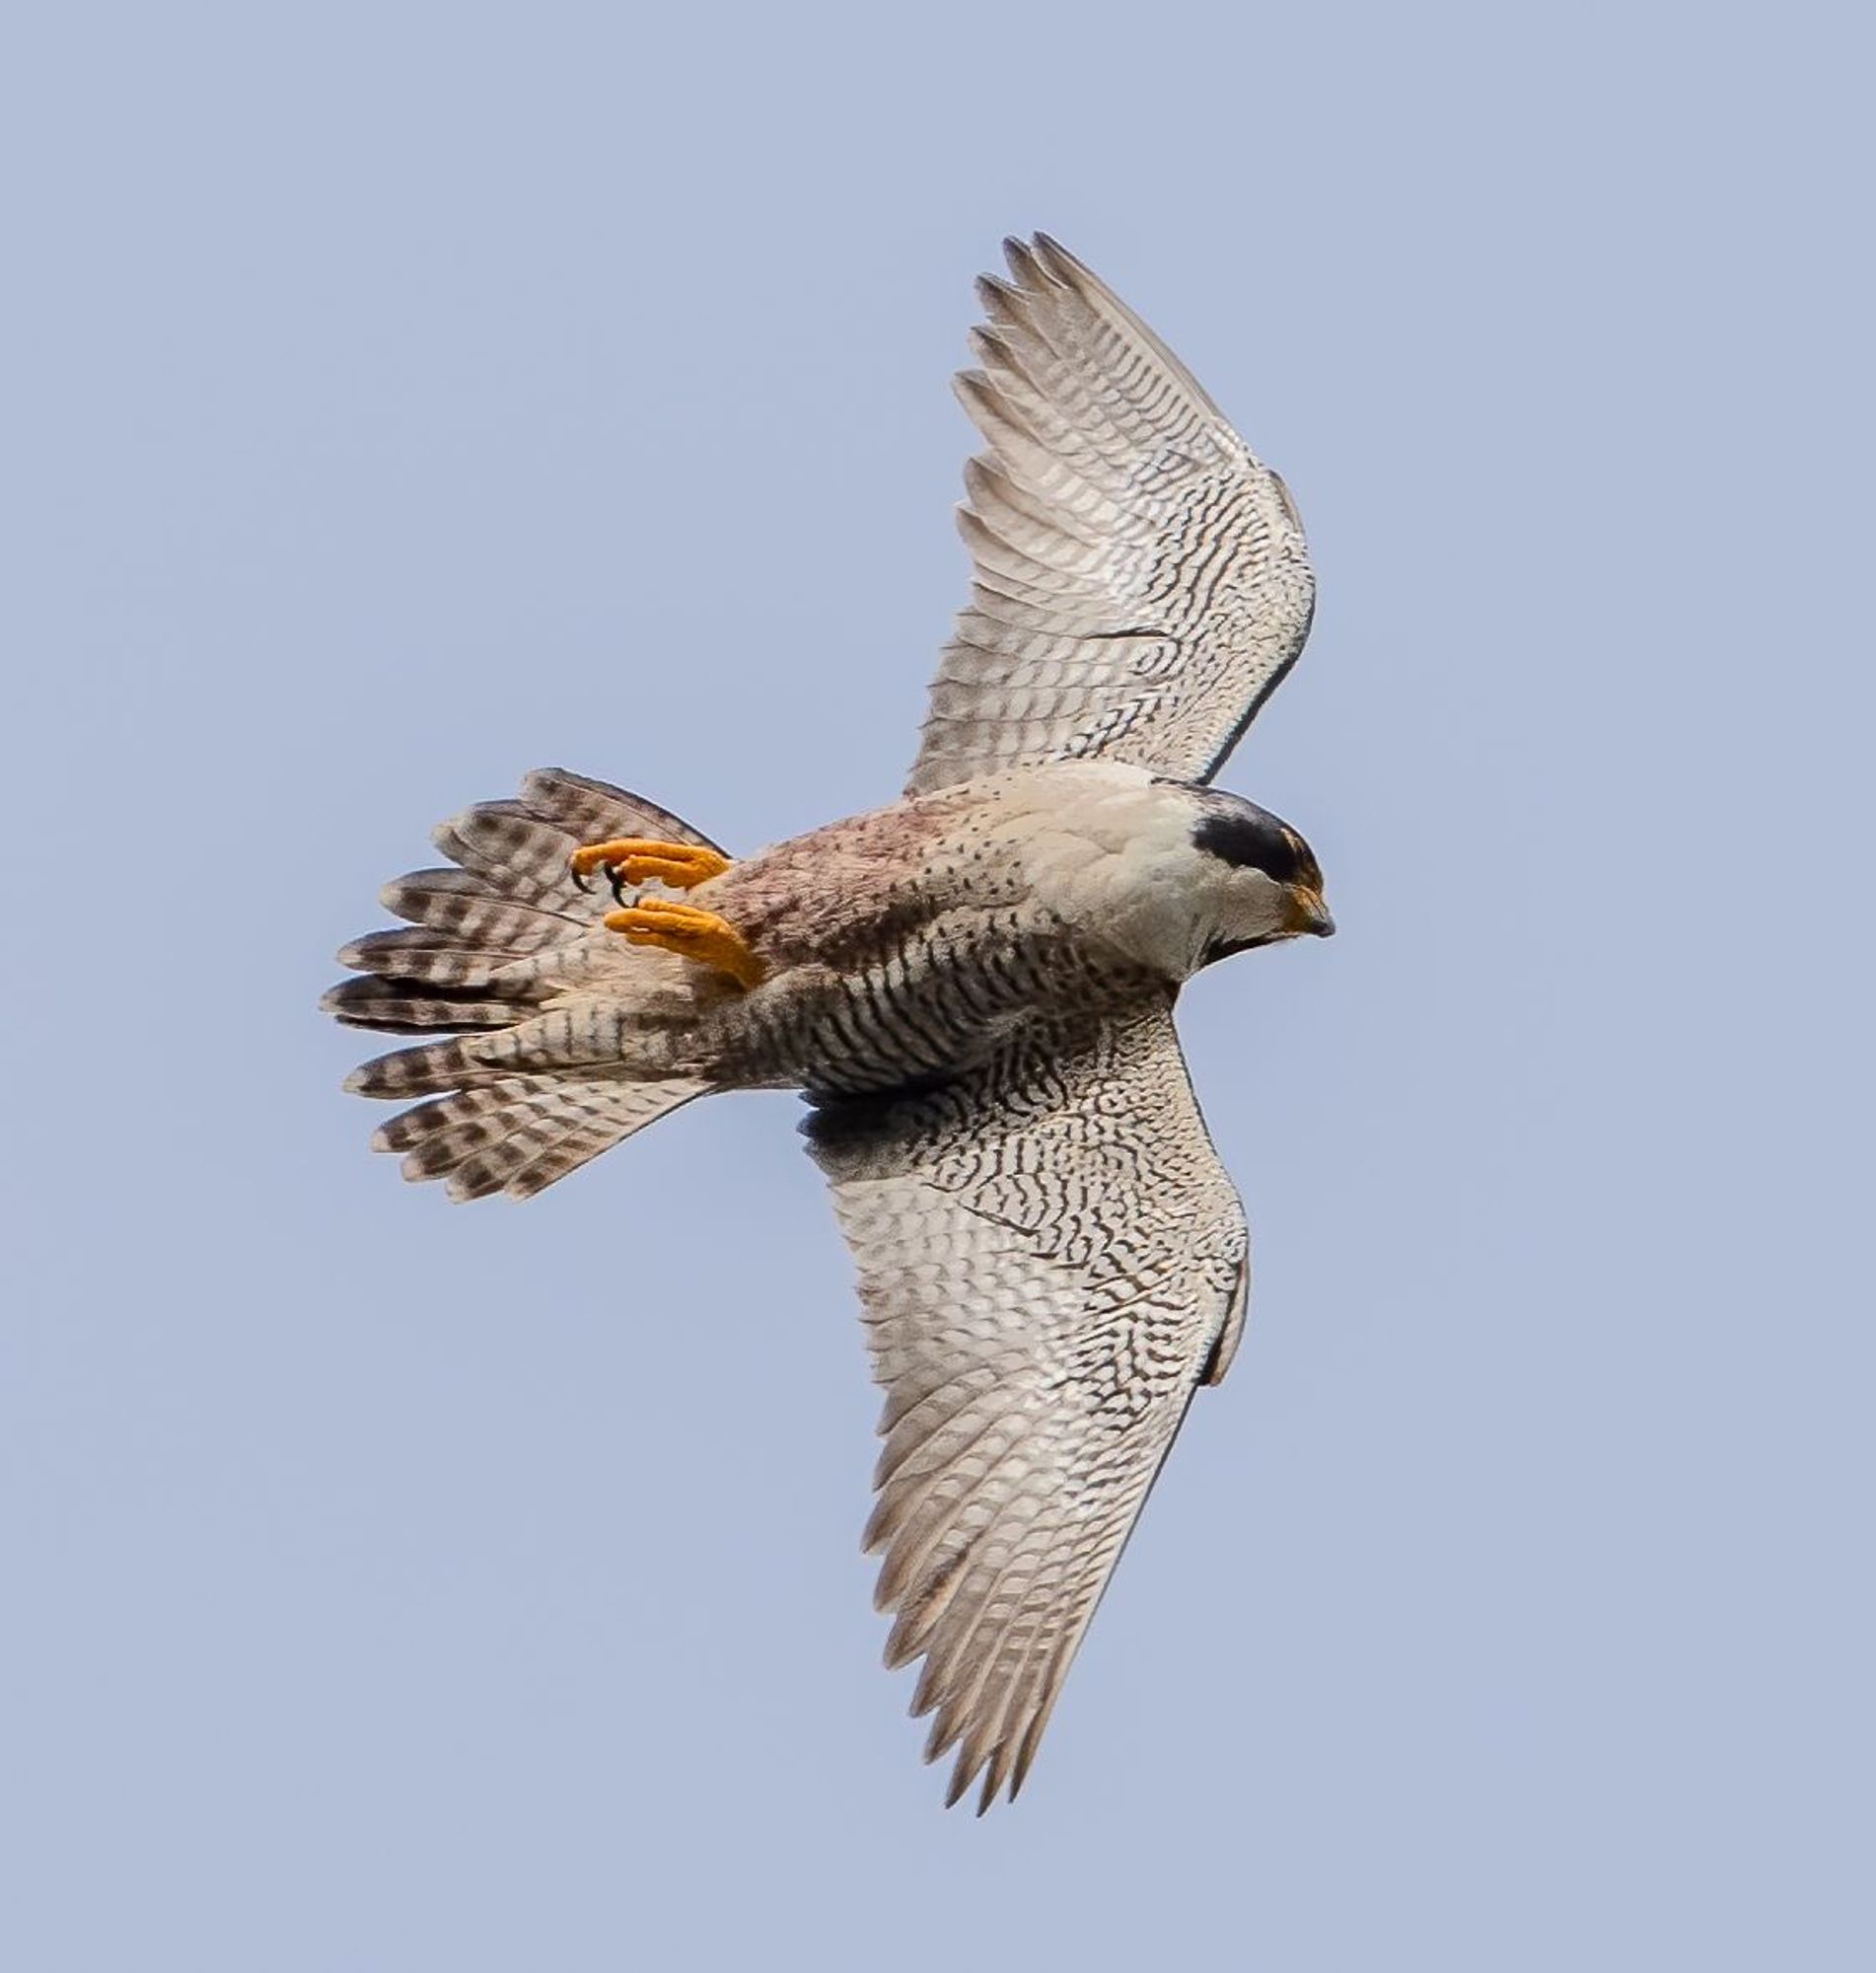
618 882
579 882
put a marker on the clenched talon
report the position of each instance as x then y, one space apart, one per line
637 860
691 933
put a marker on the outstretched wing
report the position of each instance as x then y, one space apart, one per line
1051 1259
1141 581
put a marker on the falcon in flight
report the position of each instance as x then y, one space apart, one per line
972 986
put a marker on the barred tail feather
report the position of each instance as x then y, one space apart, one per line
535 1079
520 1133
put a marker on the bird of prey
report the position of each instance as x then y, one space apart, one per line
972 986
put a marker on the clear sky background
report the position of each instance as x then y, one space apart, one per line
402 396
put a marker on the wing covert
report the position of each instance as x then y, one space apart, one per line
1141 581
1052 1258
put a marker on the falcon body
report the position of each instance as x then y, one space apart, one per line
911 942
973 985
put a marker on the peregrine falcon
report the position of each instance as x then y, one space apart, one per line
973 988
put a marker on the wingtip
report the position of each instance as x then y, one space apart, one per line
1023 263
1025 1760
990 346
1050 251
1072 272
994 294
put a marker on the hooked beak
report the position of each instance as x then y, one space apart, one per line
1309 915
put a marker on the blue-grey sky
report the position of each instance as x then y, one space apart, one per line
402 396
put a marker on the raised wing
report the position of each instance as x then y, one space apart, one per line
1051 1259
1141 580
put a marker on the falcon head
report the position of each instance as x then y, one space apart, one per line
1265 883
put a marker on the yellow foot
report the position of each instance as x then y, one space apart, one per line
691 933
637 860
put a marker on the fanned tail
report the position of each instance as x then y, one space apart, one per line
545 1064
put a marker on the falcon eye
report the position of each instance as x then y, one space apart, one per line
1250 840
